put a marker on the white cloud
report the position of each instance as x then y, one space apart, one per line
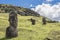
31 5
49 0
52 12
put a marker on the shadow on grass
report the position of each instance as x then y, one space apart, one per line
4 38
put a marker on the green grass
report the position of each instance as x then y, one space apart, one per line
27 31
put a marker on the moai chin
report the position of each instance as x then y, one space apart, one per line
11 31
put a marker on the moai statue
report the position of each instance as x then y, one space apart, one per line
33 21
44 20
11 31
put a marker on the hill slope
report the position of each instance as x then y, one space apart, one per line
26 30
22 11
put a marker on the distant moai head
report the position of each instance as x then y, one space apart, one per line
13 19
44 20
11 30
33 21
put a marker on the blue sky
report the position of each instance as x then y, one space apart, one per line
28 3
48 8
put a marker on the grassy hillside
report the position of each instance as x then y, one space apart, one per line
26 31
4 8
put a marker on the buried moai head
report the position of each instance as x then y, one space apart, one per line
11 32
54 35
13 19
33 21
47 39
44 20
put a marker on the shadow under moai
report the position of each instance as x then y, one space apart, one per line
11 30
